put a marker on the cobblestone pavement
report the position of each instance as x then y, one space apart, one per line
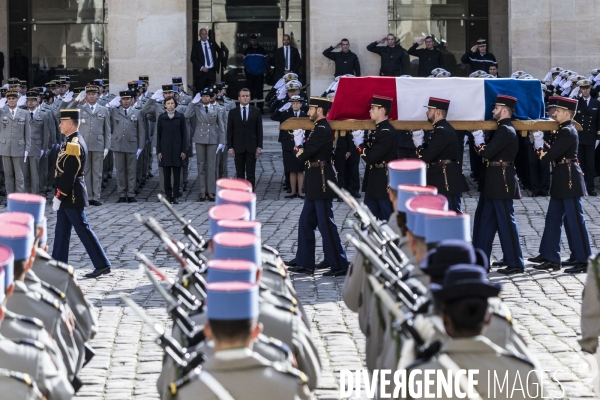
545 306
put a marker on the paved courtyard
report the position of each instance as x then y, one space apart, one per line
545 306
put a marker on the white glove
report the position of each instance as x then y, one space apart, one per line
478 138
281 95
574 93
80 96
69 97
358 137
55 204
105 153
41 153
196 99
26 154
285 107
116 102
597 143
220 148
158 95
137 155
417 137
538 139
298 136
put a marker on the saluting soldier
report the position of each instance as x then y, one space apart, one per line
498 187
566 190
377 153
184 98
94 128
588 116
318 202
127 142
440 153
15 143
41 129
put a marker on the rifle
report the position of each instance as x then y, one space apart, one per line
189 255
188 229
188 361
381 236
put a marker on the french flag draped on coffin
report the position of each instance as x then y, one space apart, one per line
470 99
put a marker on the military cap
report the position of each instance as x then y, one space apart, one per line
417 204
207 92
508 101
231 301
444 74
144 78
406 191
221 85
124 94
69 114
97 82
407 171
246 199
220 98
296 98
290 76
464 281
7 259
28 203
595 71
32 94
23 83
566 103
132 86
91 89
18 237
231 271
382 101
225 211
61 82
167 88
293 85
65 78
551 101
252 227
105 82
14 81
19 218
477 74
78 90
556 70
3 92
237 246
325 104
234 184
12 93
447 225
481 42
438 104
177 80
50 85
450 252
253 36
436 71
420 215
584 83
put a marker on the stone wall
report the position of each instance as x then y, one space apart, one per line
152 41
498 36
328 21
549 33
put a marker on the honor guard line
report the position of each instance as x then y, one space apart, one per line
351 125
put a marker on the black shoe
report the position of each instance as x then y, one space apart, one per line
95 203
184 189
131 200
97 272
335 272
301 196
570 261
150 175
290 196
356 195
211 198
548 266
103 187
291 263
136 191
175 200
511 270
122 200
537 259
500 263
545 194
322 265
171 199
105 180
202 198
592 193
577 268
302 270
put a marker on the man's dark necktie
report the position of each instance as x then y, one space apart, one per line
206 59
287 58
125 112
31 115
206 108
244 114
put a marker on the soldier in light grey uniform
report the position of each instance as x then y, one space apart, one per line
209 137
45 178
20 385
127 142
41 129
94 127
184 98
15 143
234 370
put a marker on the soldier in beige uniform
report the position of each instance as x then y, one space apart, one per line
40 130
234 370
15 143
127 142
209 138
464 310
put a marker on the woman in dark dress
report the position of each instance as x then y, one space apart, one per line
171 146
291 164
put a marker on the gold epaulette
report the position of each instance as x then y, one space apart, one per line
73 148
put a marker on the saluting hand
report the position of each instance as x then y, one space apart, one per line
421 41
337 46
474 49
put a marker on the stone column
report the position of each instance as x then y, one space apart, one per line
329 21
147 37
498 37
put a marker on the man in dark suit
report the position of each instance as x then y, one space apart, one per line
245 137
206 59
287 59
588 117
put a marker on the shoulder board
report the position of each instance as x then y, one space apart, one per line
276 343
290 309
32 343
502 312
291 371
43 110
59 293
270 249
54 303
274 268
73 148
279 295
18 376
179 383
61 265
31 321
